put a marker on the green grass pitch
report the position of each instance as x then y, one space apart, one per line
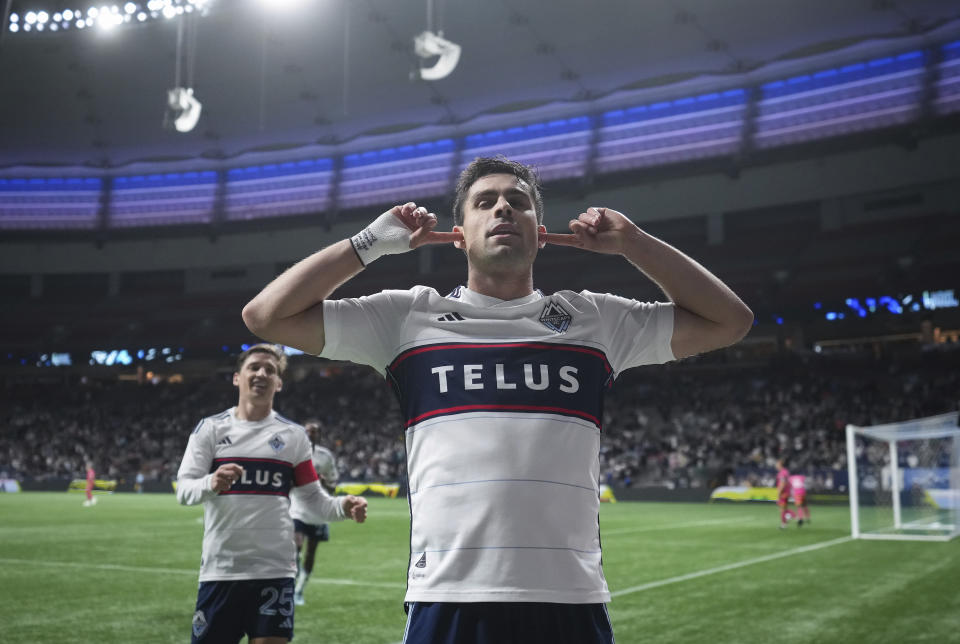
125 570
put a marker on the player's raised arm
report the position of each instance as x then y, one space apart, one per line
708 314
290 309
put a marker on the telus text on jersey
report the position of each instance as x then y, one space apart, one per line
479 376
261 477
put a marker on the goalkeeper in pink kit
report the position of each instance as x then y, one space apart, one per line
783 492
798 484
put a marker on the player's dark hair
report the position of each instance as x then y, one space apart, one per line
318 425
269 349
483 166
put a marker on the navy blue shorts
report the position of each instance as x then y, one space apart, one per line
228 610
507 623
320 532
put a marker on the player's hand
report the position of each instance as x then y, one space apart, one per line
399 230
354 507
225 476
421 225
601 230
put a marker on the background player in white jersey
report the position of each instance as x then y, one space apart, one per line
502 388
312 533
243 464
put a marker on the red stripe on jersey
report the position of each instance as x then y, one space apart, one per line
534 408
236 459
499 345
304 473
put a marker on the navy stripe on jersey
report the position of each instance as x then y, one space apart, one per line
260 476
282 419
526 377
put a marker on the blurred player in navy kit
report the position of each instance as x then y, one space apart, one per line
243 465
312 533
501 388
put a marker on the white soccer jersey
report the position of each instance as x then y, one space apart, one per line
247 530
325 464
502 402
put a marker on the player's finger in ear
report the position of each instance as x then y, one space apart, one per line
440 237
561 239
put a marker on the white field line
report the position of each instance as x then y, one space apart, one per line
180 571
731 566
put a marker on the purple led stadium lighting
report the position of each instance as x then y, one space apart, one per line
49 203
278 189
863 96
392 174
684 129
829 102
947 99
163 199
559 149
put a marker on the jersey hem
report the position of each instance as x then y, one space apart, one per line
595 597
287 574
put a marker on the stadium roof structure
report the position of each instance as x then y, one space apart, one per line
338 73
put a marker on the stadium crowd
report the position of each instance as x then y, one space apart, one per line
682 425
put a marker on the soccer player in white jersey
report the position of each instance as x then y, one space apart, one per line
243 464
501 389
304 531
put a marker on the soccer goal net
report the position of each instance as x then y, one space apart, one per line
905 479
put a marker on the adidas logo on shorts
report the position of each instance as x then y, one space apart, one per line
451 317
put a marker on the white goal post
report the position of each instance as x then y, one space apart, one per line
904 479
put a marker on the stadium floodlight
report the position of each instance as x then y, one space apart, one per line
904 479
183 109
428 45
106 16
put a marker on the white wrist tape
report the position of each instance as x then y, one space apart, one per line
385 236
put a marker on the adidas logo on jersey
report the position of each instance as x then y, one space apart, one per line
225 441
451 317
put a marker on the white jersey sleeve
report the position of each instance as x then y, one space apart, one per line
313 503
636 333
364 330
193 477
